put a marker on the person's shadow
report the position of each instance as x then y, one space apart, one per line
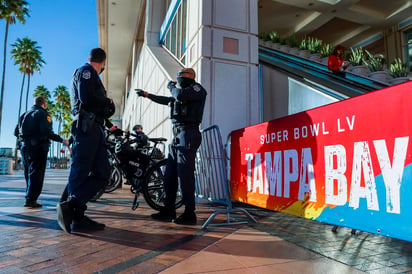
293 157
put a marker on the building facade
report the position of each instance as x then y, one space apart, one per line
149 41
221 48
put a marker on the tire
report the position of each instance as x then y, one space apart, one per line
114 181
153 188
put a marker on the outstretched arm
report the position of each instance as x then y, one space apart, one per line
163 100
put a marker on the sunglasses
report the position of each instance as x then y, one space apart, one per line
180 73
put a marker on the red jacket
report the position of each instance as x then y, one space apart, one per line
335 63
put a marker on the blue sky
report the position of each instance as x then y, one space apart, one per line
65 31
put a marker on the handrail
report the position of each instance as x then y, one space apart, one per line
313 72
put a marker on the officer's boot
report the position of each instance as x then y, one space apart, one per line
187 218
167 214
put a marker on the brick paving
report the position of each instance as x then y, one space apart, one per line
32 242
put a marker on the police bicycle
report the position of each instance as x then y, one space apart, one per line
142 167
116 176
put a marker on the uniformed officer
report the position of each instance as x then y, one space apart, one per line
35 131
186 110
90 165
141 138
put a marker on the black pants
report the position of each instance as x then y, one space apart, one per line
34 161
339 73
90 168
181 167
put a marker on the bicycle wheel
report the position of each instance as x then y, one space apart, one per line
153 188
114 181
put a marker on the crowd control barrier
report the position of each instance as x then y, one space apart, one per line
211 177
6 166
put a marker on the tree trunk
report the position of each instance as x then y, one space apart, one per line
4 72
59 144
28 89
21 95
18 117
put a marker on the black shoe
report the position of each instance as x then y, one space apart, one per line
64 216
32 204
187 218
164 215
87 224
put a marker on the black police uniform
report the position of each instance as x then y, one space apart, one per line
35 131
186 111
90 165
141 139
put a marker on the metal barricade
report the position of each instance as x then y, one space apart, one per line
6 166
211 177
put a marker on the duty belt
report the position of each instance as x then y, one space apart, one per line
177 128
83 112
33 141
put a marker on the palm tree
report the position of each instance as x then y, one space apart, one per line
66 131
27 54
66 127
62 98
62 107
43 91
10 10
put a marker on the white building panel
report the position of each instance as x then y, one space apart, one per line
241 39
236 19
230 96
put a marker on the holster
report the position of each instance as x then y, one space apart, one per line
86 121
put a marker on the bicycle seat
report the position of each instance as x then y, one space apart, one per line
157 140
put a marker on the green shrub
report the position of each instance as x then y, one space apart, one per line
374 62
303 44
314 45
326 50
398 68
264 36
357 57
292 41
274 36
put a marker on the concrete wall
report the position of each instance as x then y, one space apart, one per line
152 71
226 47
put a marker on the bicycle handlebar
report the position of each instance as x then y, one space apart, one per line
131 141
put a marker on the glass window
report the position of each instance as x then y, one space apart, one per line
175 38
178 32
183 42
408 48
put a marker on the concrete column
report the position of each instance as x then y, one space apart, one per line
222 47
155 11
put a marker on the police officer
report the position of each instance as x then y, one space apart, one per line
90 165
34 130
186 110
141 138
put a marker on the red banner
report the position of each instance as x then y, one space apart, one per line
336 163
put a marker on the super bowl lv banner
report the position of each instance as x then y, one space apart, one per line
347 163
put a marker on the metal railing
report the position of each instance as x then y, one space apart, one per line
211 177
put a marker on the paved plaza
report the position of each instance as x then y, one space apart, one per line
32 242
